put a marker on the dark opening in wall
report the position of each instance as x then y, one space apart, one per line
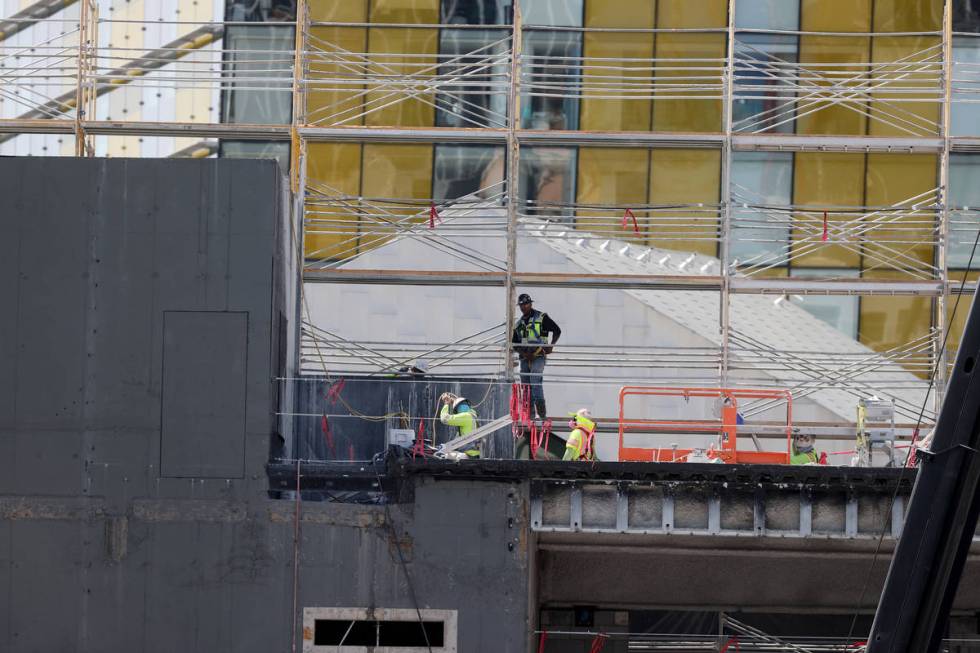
336 632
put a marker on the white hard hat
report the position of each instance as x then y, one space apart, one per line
421 365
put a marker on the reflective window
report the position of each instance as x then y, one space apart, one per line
964 215
965 107
465 170
477 96
762 183
565 13
550 75
260 63
767 14
477 12
265 11
764 83
840 312
966 16
257 150
547 181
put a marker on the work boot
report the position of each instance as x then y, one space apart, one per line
540 408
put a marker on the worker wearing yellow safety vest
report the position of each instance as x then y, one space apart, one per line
580 440
803 451
456 411
534 336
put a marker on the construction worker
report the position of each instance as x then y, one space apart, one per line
456 412
535 335
803 451
580 440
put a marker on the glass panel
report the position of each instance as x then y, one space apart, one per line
966 16
687 14
335 58
549 78
618 78
964 216
394 174
401 52
614 178
698 60
332 225
908 179
260 62
828 57
956 323
832 107
832 183
547 181
908 74
419 12
835 16
479 98
686 178
908 15
463 170
262 12
477 12
565 13
761 182
767 14
764 83
965 107
893 322
838 311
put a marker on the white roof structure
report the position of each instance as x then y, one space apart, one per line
610 337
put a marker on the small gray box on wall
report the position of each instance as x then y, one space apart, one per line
203 401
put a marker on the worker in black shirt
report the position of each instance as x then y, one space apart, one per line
532 344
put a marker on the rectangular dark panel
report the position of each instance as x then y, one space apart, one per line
203 400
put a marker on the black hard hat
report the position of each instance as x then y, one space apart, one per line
524 299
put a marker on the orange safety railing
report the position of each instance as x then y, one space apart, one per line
726 426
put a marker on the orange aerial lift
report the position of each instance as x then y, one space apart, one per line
726 426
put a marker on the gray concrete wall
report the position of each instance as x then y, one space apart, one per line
100 549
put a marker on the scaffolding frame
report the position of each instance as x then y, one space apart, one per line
475 84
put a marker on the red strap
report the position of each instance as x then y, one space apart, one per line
629 214
433 215
911 458
546 430
598 643
731 640
419 448
325 427
333 393
534 441
542 640
825 234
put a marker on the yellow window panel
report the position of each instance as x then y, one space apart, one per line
419 12
823 182
405 59
611 176
332 227
905 74
336 57
956 323
686 177
893 322
835 16
699 59
347 11
393 176
684 13
895 178
619 78
837 110
908 15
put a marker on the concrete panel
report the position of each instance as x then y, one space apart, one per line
205 358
